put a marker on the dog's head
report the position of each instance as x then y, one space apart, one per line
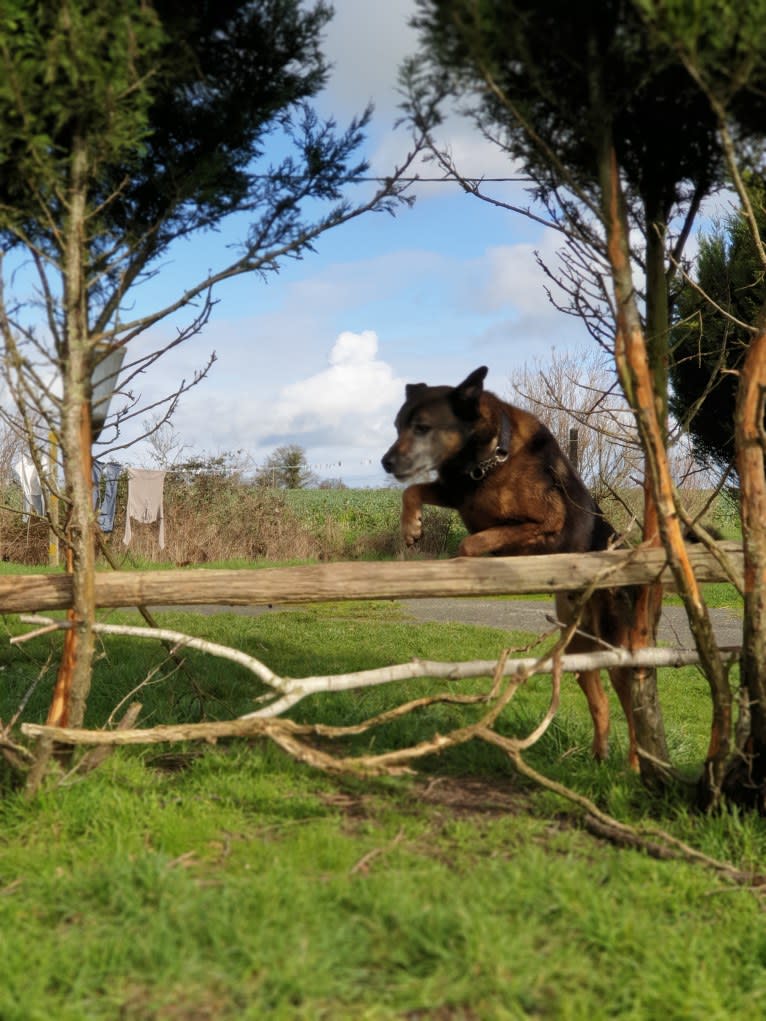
433 425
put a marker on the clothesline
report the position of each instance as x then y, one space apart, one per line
25 466
145 498
267 467
145 501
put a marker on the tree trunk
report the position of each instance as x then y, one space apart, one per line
650 727
647 713
634 369
746 779
73 681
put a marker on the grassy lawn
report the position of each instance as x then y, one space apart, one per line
240 886
186 884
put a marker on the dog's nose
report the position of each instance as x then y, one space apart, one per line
387 462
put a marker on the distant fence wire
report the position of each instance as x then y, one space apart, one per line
350 472
413 179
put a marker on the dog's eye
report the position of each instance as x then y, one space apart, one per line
420 429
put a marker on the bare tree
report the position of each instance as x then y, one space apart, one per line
166 448
578 392
106 162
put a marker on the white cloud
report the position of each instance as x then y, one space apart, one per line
348 402
366 44
508 277
341 415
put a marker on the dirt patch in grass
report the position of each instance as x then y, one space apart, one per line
198 1004
443 1013
474 795
461 795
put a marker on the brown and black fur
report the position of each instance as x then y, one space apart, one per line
502 470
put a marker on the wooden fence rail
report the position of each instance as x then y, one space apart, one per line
402 580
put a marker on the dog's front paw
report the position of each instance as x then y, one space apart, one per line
471 546
412 529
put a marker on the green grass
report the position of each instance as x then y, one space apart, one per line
716 595
243 886
360 510
7 567
185 884
367 519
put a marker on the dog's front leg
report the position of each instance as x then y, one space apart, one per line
413 499
525 538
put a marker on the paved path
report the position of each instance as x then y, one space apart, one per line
534 615
537 616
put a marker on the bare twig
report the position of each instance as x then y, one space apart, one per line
96 756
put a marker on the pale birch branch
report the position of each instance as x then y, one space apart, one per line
292 690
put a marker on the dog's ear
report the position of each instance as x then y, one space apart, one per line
465 396
413 389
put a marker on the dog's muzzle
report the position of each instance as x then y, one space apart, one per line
388 463
401 468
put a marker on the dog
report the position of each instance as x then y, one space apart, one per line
504 473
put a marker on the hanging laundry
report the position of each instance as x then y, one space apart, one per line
145 488
106 505
30 485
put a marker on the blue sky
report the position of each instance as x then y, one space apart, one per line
319 354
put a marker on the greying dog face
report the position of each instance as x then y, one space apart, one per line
432 426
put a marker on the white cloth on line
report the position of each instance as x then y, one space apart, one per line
30 484
145 489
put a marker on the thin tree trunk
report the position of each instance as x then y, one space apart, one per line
647 713
746 781
73 681
639 385
650 727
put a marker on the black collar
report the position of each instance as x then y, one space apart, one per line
481 469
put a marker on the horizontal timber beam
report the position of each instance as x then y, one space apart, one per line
462 576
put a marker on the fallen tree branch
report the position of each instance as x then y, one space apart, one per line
170 733
98 755
651 839
507 676
292 690
165 635
284 733
288 735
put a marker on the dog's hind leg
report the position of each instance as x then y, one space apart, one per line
598 703
621 678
